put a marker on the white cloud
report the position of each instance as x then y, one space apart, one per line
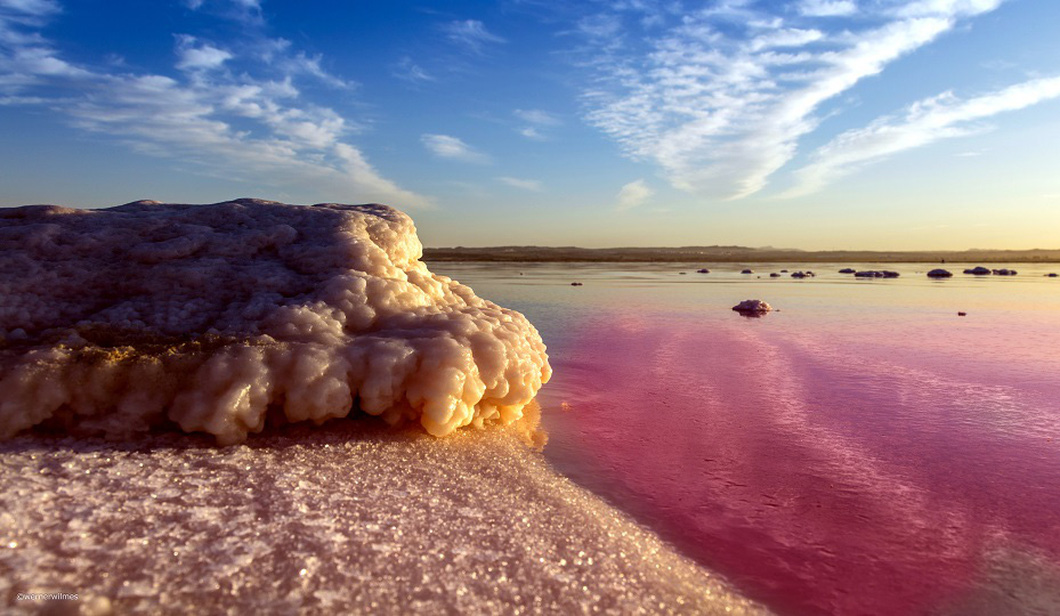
633 194
827 8
537 116
409 71
445 146
927 121
247 12
532 133
471 34
539 122
281 141
303 64
36 8
201 57
531 185
721 99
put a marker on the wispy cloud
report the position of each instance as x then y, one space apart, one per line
537 116
446 146
408 70
471 34
195 56
531 185
827 8
192 115
633 194
539 123
720 99
245 11
927 121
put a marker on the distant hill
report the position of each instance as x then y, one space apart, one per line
734 254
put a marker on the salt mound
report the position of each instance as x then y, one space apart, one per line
223 317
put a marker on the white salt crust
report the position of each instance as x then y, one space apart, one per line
224 317
339 521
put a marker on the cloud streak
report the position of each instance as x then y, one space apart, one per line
720 100
538 123
471 34
446 146
281 140
925 122
632 195
530 185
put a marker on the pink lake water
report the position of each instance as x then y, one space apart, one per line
864 450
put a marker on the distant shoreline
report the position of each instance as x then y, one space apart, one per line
730 254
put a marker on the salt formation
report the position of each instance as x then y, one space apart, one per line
221 317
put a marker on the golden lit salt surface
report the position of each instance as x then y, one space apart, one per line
221 318
348 520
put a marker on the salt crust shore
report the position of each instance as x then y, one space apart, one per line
352 519
221 318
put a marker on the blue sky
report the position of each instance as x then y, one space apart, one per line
816 124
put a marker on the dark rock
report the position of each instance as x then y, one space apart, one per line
575 284
748 271
939 273
774 275
703 271
1004 272
847 270
978 271
752 306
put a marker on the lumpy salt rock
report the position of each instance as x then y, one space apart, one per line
219 317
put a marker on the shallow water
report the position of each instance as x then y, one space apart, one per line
862 450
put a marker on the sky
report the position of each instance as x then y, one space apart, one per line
814 124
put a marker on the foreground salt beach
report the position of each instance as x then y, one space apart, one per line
354 518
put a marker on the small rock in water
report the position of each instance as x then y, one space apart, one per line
774 275
575 284
939 273
752 306
847 270
962 314
978 271
876 274
748 271
703 271
1004 272
1052 275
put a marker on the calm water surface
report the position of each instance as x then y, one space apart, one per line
864 450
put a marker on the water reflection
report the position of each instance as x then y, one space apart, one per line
865 450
